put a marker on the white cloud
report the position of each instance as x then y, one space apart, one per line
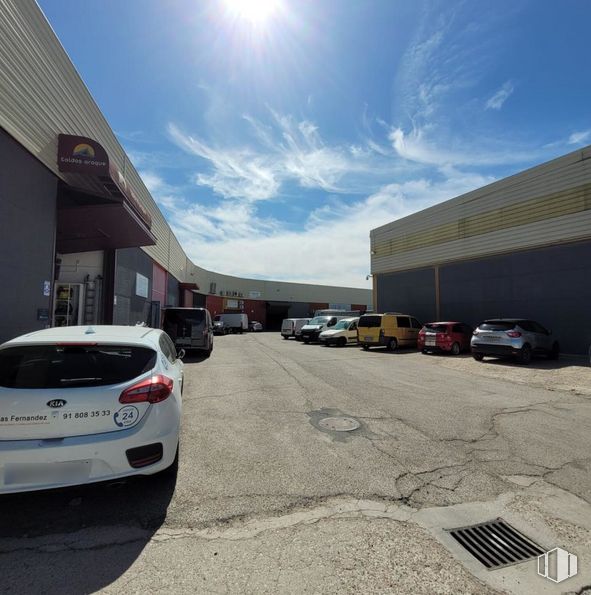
498 99
419 146
579 138
288 150
237 173
333 247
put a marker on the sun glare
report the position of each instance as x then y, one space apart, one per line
257 12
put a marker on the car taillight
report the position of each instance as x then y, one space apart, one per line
152 390
514 334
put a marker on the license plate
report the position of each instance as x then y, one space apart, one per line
430 341
493 338
46 473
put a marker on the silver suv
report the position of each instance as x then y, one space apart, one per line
513 337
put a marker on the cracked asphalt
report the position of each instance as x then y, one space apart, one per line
268 501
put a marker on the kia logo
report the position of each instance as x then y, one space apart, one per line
56 403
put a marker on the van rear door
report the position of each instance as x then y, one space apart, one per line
185 326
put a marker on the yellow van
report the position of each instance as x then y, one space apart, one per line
391 330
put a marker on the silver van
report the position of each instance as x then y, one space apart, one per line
292 327
189 328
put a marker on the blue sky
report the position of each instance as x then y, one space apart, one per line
274 146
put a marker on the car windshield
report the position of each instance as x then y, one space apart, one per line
436 328
319 320
68 366
341 324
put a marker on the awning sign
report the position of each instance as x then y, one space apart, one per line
81 155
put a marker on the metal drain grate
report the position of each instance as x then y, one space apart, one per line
496 544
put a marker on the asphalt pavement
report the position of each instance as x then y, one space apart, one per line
271 498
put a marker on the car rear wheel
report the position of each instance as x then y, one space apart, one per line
365 347
306 340
478 356
285 337
455 349
525 355
555 351
392 344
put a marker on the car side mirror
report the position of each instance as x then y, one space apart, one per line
181 354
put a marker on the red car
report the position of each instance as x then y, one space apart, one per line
452 337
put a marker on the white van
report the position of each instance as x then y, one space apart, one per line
344 332
312 330
292 327
236 323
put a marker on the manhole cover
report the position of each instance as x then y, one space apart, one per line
339 424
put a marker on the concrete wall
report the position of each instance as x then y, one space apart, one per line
77 265
130 306
27 223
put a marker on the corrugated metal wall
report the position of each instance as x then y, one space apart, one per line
547 204
41 95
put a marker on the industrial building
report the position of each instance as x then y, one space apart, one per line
519 247
82 241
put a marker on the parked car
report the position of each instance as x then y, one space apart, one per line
390 330
513 337
189 328
292 327
450 337
255 326
87 404
235 323
220 327
311 331
344 332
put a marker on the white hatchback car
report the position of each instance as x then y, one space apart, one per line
87 404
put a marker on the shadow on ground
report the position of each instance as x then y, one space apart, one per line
62 541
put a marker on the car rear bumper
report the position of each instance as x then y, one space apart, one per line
29 465
191 343
494 349
310 336
423 347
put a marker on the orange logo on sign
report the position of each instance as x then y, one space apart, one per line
83 150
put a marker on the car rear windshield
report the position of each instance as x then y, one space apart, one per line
178 323
436 328
497 325
184 316
64 366
370 321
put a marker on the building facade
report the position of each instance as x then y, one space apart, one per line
82 241
519 247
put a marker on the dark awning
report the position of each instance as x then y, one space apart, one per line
189 286
97 209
